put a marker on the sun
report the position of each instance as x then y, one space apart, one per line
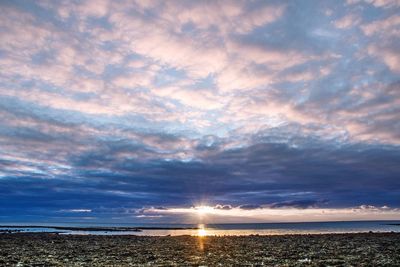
202 210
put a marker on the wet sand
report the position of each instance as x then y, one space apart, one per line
47 249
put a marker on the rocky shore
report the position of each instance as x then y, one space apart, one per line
50 249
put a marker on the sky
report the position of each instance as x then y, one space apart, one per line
187 111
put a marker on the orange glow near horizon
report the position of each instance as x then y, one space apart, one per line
204 214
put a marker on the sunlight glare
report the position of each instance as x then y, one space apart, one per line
202 232
201 210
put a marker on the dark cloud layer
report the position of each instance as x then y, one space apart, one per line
277 175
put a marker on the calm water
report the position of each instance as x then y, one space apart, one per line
225 229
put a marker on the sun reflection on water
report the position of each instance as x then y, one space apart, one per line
201 232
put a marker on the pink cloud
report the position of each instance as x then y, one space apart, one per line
347 21
376 3
386 49
386 27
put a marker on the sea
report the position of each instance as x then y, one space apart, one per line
235 229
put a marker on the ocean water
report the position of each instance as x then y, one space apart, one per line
215 229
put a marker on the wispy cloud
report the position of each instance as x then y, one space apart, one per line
77 210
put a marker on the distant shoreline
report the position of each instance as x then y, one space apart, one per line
95 229
140 228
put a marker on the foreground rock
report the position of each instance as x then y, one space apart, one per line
44 249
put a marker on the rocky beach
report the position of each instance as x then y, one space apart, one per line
50 249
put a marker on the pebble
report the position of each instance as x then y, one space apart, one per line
43 249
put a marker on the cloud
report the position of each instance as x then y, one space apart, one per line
300 204
388 54
377 3
386 27
121 106
280 214
249 207
347 21
77 210
223 207
386 30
